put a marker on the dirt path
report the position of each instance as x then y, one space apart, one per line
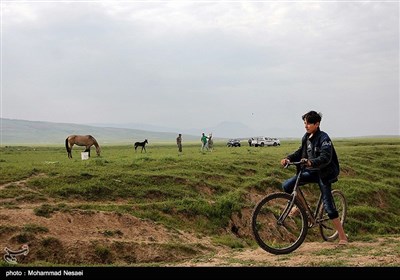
21 183
383 251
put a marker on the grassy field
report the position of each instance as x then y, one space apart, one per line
209 194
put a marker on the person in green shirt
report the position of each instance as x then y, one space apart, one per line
204 141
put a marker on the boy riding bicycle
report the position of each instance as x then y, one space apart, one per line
322 167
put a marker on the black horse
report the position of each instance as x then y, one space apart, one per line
141 144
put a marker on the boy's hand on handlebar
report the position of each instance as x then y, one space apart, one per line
285 162
306 162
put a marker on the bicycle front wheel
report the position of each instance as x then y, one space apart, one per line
274 235
326 227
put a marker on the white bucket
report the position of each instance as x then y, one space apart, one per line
85 155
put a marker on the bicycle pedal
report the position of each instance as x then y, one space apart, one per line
310 222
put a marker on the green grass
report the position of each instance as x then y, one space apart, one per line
198 191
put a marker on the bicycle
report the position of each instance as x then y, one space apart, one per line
277 231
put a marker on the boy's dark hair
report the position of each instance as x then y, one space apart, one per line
312 117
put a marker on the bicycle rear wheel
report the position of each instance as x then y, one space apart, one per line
326 227
274 237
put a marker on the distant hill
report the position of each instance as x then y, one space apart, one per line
37 132
226 129
24 132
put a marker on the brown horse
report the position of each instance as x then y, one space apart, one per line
81 140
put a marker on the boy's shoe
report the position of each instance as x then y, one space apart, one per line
343 243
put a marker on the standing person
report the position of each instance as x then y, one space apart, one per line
179 142
204 141
322 167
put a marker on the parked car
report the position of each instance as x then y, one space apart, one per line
265 141
233 143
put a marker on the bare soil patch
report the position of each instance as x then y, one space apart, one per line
82 237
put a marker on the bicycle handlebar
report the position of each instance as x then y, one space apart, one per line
301 162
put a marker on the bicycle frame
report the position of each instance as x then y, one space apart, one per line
298 194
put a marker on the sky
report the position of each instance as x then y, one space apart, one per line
195 64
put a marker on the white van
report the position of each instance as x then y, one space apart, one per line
265 141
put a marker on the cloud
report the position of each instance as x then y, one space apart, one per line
197 64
